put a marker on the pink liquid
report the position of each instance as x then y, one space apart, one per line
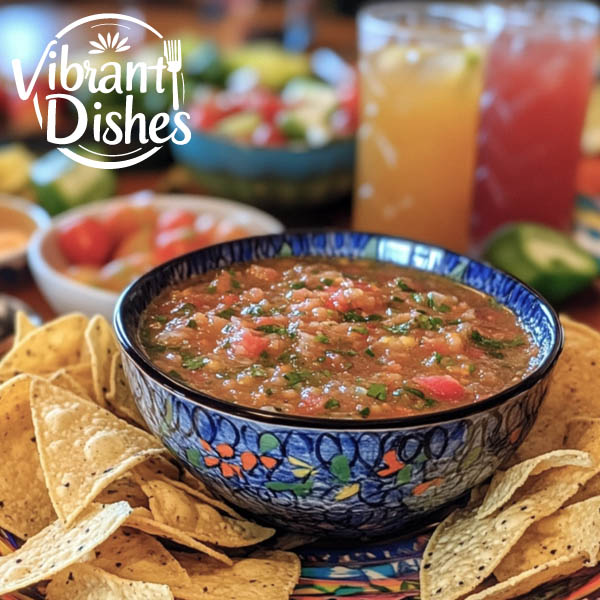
534 105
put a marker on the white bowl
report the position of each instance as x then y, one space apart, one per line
67 295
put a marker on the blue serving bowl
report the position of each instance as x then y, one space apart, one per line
283 177
334 476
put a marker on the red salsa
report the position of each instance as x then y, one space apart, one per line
333 337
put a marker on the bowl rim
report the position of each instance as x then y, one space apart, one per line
36 255
136 354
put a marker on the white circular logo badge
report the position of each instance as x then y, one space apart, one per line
139 134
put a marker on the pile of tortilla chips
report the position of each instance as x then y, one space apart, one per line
539 519
102 512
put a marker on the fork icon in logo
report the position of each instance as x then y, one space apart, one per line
172 51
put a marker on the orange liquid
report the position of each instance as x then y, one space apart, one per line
417 142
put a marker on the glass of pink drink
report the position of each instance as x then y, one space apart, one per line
540 71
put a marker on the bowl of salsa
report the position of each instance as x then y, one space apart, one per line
337 382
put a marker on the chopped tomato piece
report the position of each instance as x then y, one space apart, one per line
175 218
252 345
442 387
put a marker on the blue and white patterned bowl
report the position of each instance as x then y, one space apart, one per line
327 476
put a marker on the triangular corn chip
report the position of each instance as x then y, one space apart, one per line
82 447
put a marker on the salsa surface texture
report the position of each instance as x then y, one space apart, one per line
333 337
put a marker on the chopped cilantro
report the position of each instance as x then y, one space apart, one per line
192 324
353 317
326 281
278 329
414 392
493 346
269 392
323 339
211 289
296 377
400 328
403 286
264 355
454 322
360 329
187 309
297 285
370 353
377 391
444 308
397 299
191 362
374 317
226 313
428 323
161 318
472 368
364 412
332 403
235 284
257 371
438 357
321 359
175 375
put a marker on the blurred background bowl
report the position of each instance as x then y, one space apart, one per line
21 217
285 177
65 294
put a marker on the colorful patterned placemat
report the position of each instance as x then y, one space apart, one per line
386 570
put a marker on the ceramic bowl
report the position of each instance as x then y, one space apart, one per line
26 216
337 477
65 294
272 177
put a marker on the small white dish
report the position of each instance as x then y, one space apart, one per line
67 295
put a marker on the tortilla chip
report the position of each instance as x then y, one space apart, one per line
61 378
102 346
156 467
142 519
529 580
132 554
124 488
178 509
574 528
23 326
505 483
82 447
269 575
119 397
56 547
47 348
145 473
85 582
464 549
574 381
25 506
82 373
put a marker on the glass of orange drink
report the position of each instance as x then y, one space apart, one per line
421 70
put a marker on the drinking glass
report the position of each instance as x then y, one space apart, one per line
539 77
421 75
